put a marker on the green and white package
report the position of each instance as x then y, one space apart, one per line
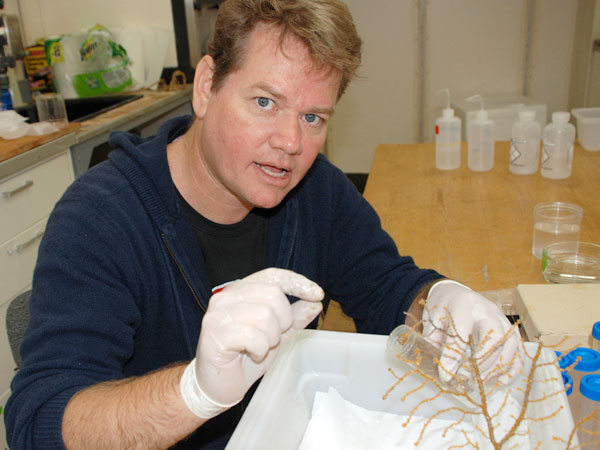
88 64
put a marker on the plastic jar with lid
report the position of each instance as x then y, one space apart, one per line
565 361
588 361
568 382
596 337
590 402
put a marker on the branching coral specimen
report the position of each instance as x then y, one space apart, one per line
500 420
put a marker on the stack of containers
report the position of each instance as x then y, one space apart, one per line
590 402
565 362
596 336
589 389
585 397
587 362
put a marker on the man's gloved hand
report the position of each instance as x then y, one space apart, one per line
243 328
452 313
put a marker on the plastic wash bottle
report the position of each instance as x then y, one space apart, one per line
480 138
559 138
525 144
447 138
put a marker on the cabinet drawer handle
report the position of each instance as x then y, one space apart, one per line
20 247
9 194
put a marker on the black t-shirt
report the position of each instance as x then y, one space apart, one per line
231 252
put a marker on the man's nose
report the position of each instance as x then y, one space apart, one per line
287 135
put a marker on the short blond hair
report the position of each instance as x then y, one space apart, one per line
326 28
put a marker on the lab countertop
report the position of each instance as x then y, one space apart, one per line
475 227
9 148
150 106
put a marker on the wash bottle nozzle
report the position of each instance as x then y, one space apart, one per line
482 113
447 112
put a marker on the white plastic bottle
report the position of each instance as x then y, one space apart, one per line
480 138
559 139
525 144
447 138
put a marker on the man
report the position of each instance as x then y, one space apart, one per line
129 283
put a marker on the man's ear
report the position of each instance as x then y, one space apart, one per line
202 85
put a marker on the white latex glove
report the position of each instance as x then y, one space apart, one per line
472 314
243 329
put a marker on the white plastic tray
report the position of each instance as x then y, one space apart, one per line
588 127
355 365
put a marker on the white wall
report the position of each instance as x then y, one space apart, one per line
594 89
471 46
552 52
381 106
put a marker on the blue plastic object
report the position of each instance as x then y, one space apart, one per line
564 360
596 331
590 387
589 359
567 380
6 100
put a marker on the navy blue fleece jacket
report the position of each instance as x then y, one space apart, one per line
120 286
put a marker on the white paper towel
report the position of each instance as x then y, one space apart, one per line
147 49
337 424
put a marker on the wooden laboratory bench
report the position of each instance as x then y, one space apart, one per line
10 148
475 227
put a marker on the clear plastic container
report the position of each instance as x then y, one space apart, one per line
410 347
555 222
588 127
356 365
588 363
596 336
571 262
525 144
590 401
559 140
447 138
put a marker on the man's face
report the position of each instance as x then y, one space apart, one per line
264 127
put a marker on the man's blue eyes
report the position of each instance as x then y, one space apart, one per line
263 102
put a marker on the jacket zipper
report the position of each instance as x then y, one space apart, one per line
187 281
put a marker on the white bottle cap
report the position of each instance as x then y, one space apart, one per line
561 116
526 116
448 113
481 115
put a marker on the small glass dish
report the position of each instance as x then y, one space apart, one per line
571 262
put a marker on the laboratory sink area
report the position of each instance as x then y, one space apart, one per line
82 109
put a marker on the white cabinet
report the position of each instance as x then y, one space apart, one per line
27 197
30 186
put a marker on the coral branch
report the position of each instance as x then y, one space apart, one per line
498 417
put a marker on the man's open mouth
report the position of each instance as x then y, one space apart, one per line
273 171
